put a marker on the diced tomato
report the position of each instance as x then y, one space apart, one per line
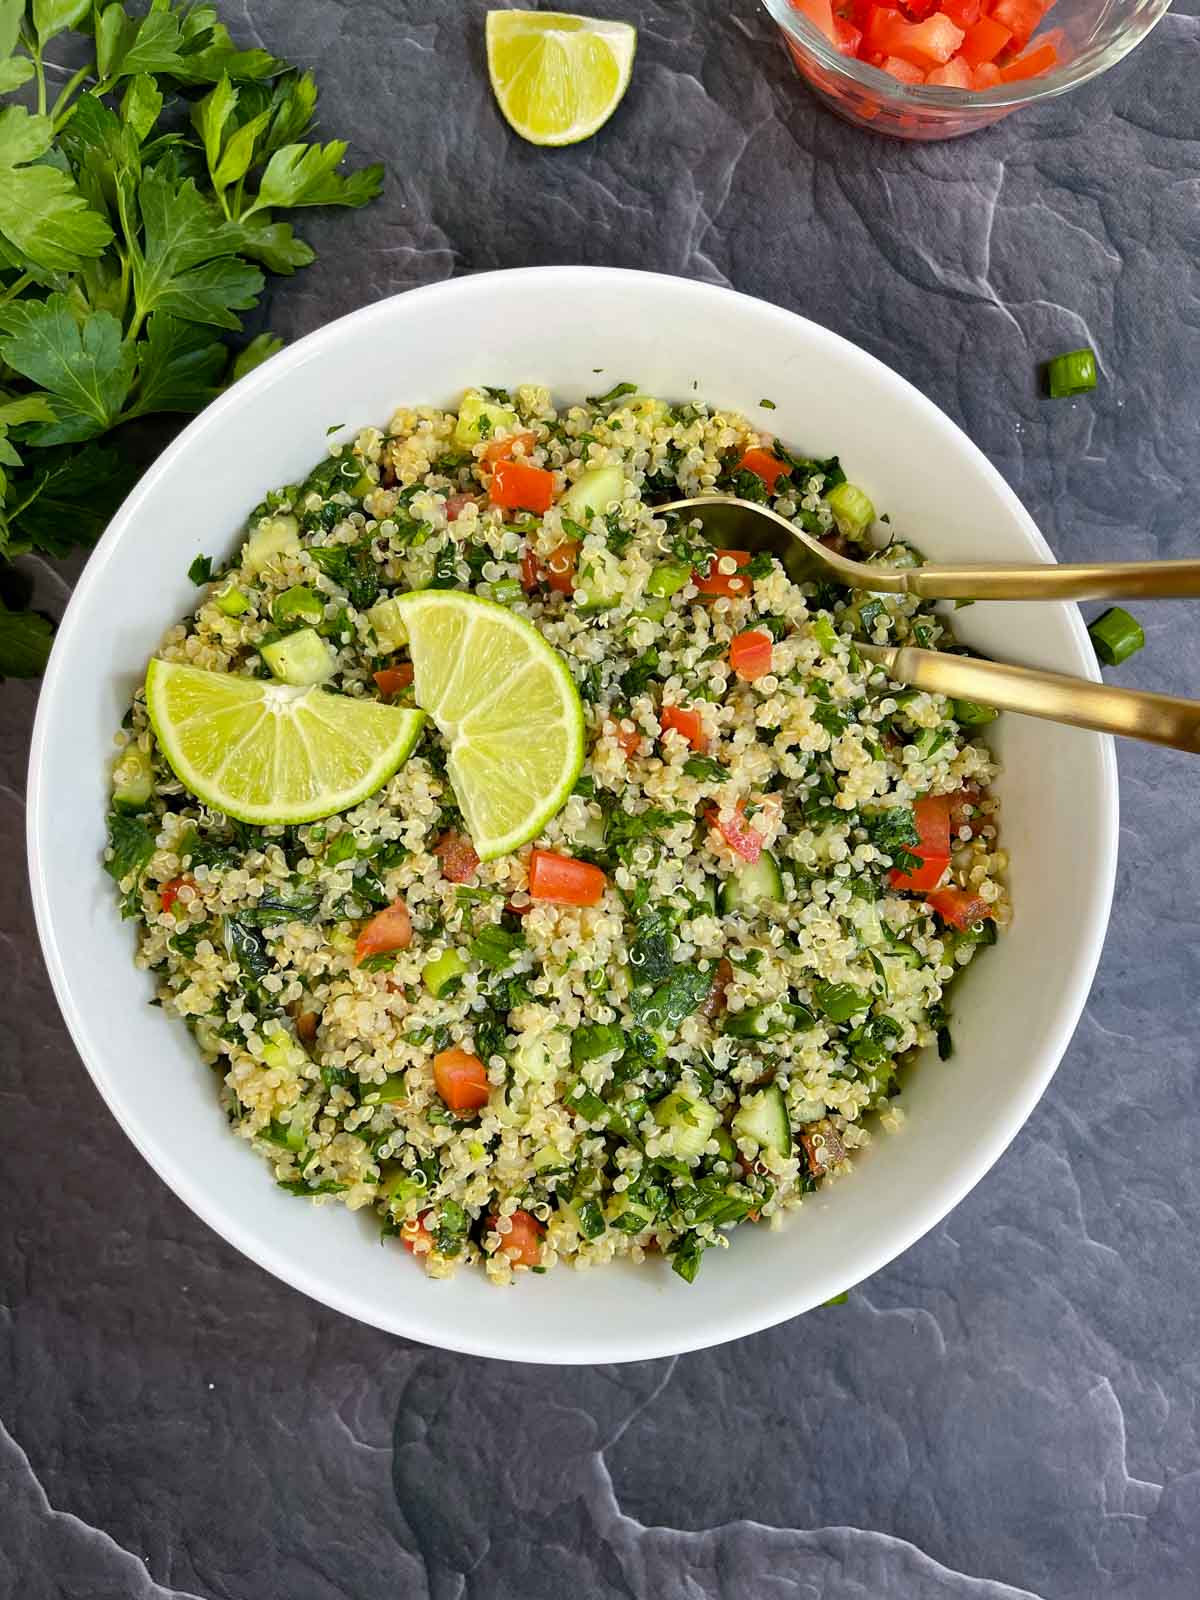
750 654
1020 17
904 71
1040 59
502 449
519 487
686 722
846 36
457 855
390 680
963 13
714 584
456 504
925 44
737 832
985 76
629 739
956 74
531 569
169 891
983 41
522 1244
563 880
715 1003
959 907
461 1080
761 462
932 817
560 566
818 12
918 10
388 930
416 1237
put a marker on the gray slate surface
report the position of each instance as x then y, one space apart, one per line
1009 1410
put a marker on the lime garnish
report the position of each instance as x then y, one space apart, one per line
273 752
557 78
507 706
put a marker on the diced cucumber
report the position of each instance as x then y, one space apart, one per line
598 583
207 1037
726 1149
763 1117
479 418
390 632
654 606
436 974
231 602
753 1023
280 1051
900 948
302 658
591 835
393 1091
362 486
297 604
628 1214
687 1123
399 1186
592 493
971 714
852 510
757 880
132 778
532 1060
549 1159
930 740
668 578
274 536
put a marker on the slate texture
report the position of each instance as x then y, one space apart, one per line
1011 1409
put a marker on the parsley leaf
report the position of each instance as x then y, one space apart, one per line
307 175
42 211
24 643
132 846
88 368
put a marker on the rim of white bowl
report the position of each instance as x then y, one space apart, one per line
890 1243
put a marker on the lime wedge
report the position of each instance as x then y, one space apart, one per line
272 752
507 706
557 78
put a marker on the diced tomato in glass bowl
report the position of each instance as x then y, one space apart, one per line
935 69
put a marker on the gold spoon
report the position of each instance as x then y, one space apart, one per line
734 524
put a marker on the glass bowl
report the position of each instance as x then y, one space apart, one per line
1096 35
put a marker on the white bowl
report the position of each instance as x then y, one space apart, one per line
1014 1014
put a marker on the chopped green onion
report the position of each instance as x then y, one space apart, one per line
971 714
441 972
297 604
1116 636
506 591
767 405
1072 373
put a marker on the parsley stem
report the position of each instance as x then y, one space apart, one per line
40 74
61 110
16 288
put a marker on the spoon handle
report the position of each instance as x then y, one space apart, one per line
1090 580
1158 718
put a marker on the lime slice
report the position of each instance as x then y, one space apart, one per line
557 78
271 752
506 705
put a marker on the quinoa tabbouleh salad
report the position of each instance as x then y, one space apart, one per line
671 1010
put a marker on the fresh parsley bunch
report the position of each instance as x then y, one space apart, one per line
138 207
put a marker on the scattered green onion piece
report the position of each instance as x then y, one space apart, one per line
1116 636
1072 373
506 591
297 604
442 971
